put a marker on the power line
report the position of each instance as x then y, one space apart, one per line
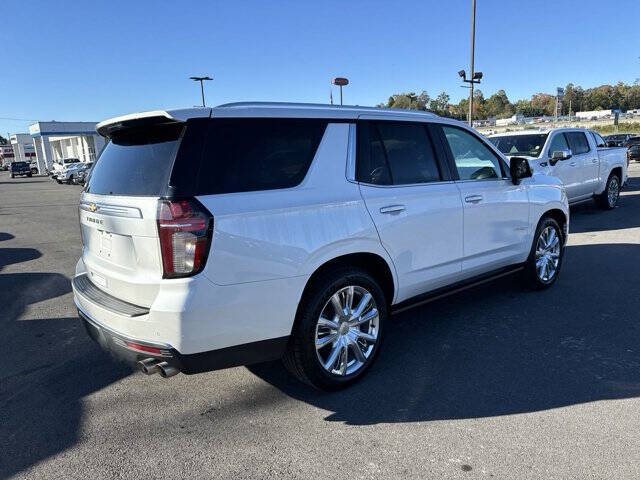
19 119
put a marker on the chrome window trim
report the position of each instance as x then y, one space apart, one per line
440 182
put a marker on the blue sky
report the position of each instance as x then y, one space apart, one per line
89 60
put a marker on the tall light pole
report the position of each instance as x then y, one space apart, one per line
341 82
473 49
201 80
475 77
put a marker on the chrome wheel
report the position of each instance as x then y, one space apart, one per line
613 192
547 254
347 330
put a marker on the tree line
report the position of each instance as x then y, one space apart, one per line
576 99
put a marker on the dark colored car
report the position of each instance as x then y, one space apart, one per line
20 168
633 149
617 140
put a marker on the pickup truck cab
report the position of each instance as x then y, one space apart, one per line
578 157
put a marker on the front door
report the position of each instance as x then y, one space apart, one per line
566 170
496 212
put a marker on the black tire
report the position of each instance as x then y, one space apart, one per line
13 176
29 175
301 358
530 275
605 200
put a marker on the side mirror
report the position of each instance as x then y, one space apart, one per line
560 155
519 168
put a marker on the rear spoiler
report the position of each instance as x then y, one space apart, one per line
108 128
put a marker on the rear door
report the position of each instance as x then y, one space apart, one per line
121 249
414 204
496 212
585 161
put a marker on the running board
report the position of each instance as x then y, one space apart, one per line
452 289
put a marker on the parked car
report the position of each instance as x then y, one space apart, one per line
576 156
633 149
82 175
19 168
59 167
70 172
250 232
617 140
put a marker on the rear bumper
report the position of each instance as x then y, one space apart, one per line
131 350
125 330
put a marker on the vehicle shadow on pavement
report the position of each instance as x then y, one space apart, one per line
9 256
46 369
587 217
501 350
6 236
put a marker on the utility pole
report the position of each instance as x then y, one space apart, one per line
201 80
473 47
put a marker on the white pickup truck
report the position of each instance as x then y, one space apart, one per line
578 157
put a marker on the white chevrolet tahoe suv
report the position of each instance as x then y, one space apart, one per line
248 232
578 157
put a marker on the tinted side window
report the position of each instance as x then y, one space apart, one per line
473 159
558 143
250 154
399 154
598 139
578 142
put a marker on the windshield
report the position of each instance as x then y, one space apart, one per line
530 145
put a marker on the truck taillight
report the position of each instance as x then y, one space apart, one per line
185 228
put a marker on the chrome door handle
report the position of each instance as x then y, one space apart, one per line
473 198
595 160
573 164
392 209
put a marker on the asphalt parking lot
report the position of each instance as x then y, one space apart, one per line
493 382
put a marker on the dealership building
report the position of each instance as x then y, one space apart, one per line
23 149
54 141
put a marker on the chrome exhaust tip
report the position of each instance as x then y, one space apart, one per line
149 366
167 370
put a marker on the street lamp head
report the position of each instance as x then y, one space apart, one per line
477 75
199 79
462 73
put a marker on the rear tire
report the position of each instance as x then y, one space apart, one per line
343 312
29 175
13 176
608 199
545 259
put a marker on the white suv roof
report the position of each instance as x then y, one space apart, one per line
266 109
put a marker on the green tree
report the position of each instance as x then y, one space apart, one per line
498 105
3 141
440 104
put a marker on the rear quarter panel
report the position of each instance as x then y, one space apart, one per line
611 158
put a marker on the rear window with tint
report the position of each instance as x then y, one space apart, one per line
137 161
250 154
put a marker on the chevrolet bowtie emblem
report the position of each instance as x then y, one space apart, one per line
93 207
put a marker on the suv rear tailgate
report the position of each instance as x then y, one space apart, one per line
121 250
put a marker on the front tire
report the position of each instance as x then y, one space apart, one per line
545 259
338 329
608 199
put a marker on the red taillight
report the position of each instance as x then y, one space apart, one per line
185 228
145 348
